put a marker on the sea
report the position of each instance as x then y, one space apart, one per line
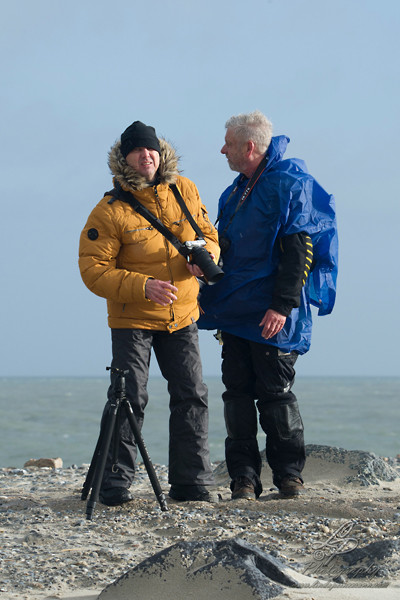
60 417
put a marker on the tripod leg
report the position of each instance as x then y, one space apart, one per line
101 458
92 469
146 458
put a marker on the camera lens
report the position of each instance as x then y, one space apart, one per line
203 260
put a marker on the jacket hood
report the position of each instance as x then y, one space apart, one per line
277 149
130 179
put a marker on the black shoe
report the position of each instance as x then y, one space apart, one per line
192 493
115 496
243 489
290 486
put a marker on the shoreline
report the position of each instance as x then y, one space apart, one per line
51 551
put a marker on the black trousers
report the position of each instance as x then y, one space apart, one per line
260 377
178 357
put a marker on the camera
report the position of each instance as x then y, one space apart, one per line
200 257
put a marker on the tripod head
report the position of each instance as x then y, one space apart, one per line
116 371
119 381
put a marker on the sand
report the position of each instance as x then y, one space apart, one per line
339 539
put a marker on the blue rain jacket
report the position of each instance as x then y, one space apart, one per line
285 200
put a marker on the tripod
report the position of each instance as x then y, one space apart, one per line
108 428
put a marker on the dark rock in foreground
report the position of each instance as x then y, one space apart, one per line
227 570
372 560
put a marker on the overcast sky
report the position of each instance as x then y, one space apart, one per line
75 74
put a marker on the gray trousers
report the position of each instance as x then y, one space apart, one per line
178 357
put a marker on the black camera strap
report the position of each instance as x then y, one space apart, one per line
185 210
250 185
130 199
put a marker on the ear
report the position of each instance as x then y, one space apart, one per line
250 148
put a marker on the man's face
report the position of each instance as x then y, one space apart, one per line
145 161
235 151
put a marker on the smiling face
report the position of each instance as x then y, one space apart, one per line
145 161
235 151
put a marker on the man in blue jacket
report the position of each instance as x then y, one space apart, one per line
278 241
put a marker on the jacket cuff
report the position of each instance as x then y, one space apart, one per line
281 308
144 289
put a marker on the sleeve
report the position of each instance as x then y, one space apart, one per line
295 263
99 245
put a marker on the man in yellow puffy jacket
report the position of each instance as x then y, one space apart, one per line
151 292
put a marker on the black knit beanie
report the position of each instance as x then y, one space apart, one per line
139 135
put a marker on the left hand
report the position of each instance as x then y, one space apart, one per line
272 323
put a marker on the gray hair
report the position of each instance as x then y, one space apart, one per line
252 126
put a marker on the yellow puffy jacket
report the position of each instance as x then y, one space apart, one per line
119 249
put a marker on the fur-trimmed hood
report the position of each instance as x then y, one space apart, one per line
129 179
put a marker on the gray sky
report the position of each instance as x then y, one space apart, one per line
76 74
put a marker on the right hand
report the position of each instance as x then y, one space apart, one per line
272 323
161 292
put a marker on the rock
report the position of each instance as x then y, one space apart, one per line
367 563
376 551
225 570
52 463
362 467
34 538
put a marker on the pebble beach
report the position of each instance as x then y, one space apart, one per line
50 550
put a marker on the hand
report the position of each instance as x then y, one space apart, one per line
272 323
195 270
161 292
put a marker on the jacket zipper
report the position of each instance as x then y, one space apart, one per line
139 229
